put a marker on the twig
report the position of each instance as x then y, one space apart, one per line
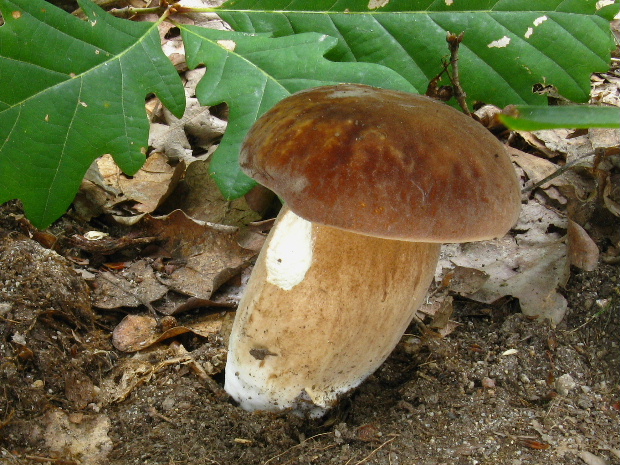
365 459
454 41
40 459
295 447
556 173
129 11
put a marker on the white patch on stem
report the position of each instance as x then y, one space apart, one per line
289 253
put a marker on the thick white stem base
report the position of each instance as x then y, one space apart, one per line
322 310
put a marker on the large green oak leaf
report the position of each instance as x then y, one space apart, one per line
73 90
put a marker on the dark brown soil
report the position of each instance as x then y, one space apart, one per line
501 389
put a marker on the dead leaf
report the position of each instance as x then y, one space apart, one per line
151 185
590 459
530 266
536 168
464 280
534 444
135 332
443 314
205 201
106 189
209 253
138 332
198 121
172 141
131 287
582 251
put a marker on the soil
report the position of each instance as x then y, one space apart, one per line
501 388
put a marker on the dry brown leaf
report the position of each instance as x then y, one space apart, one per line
582 251
131 287
138 332
208 254
536 168
135 332
107 190
205 201
152 184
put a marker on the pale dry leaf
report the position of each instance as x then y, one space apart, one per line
530 266
536 168
564 143
128 374
192 78
172 141
198 122
605 138
135 332
172 45
463 280
590 459
210 20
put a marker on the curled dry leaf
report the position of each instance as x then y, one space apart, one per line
582 251
107 190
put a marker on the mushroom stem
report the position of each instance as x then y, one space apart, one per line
322 310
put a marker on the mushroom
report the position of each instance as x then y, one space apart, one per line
373 181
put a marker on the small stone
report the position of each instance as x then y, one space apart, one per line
564 384
488 383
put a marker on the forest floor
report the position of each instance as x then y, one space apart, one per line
104 359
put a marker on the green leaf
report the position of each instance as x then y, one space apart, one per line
534 118
71 91
509 45
260 72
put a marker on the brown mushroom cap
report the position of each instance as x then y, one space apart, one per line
384 163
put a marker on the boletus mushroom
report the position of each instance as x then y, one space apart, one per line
373 182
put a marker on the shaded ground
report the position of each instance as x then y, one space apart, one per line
501 389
